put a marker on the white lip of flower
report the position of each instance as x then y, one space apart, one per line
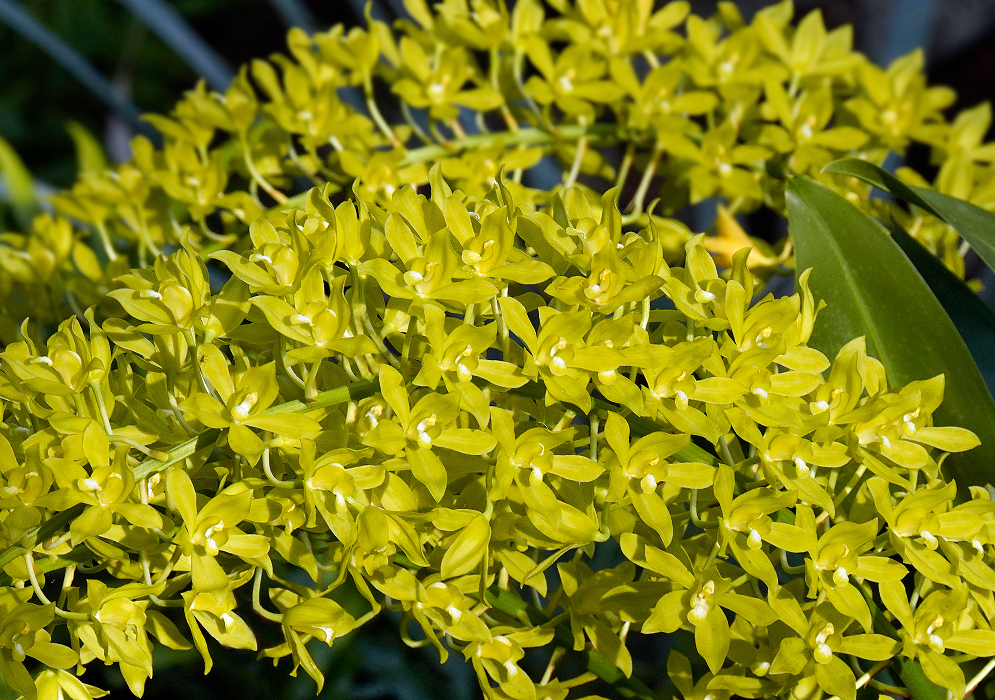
88 484
840 576
819 406
760 668
801 469
470 257
327 634
463 372
154 480
909 428
978 547
805 131
18 652
512 669
557 365
302 320
228 620
760 393
754 541
413 277
241 411
724 168
340 501
935 641
259 257
149 294
209 544
928 538
727 67
436 90
424 439
43 360
682 399
704 296
595 288
886 442
607 376
648 483
823 654
454 612
701 604
566 84
305 115
373 414
536 476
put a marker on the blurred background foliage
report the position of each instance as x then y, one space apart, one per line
151 51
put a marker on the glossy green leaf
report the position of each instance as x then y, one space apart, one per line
975 320
976 225
872 290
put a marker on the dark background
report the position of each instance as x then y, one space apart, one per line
121 40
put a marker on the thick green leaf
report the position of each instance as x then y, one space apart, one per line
975 320
872 290
976 225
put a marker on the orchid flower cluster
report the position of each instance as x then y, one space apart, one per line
444 405
657 102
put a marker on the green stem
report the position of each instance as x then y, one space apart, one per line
513 606
371 104
257 176
909 670
578 159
